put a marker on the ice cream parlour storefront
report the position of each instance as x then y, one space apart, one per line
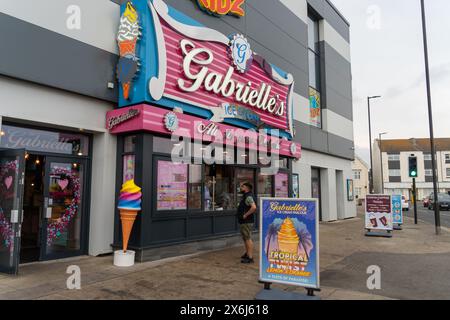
199 113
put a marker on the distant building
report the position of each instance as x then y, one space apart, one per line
396 178
360 178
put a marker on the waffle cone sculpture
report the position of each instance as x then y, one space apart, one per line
127 39
288 239
129 206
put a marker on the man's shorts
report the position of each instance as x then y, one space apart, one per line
246 231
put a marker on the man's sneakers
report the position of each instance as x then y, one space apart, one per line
244 256
247 260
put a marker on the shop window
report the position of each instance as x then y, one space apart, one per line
243 176
295 186
219 192
172 186
281 185
167 146
129 167
129 144
195 187
265 186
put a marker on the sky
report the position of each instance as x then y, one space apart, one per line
388 60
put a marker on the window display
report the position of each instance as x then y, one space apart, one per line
281 185
219 188
128 167
172 186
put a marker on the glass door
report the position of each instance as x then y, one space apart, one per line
63 208
11 202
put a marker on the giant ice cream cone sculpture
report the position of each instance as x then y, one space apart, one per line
127 39
129 206
288 239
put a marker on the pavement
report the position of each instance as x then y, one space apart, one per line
414 265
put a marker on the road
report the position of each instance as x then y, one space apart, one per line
428 215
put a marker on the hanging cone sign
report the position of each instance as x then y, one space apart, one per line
129 206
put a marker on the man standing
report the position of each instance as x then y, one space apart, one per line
246 210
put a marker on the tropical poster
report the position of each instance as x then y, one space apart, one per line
289 242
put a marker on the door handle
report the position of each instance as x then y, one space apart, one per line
48 213
47 209
14 216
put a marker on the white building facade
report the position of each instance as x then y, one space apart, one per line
361 178
395 154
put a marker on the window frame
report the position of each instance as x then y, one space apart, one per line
394 157
396 170
357 174
315 54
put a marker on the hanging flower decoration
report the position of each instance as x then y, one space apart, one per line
56 228
6 228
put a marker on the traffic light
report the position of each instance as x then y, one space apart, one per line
413 173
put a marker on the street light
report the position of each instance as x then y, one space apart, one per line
430 120
370 144
381 159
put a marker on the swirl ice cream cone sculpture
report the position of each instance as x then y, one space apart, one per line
288 239
127 39
129 206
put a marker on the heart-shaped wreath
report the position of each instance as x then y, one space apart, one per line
56 228
6 228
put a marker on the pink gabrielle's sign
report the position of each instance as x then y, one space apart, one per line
153 119
201 74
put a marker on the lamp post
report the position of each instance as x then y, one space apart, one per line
381 159
430 121
371 191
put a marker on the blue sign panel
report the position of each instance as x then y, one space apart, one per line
289 241
397 210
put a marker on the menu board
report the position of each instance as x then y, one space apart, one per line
281 185
379 212
397 210
172 186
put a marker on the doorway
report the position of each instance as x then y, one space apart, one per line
33 201
316 188
53 208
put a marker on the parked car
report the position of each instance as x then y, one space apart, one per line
405 204
443 201
426 202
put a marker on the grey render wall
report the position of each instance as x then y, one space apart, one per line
39 55
275 32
